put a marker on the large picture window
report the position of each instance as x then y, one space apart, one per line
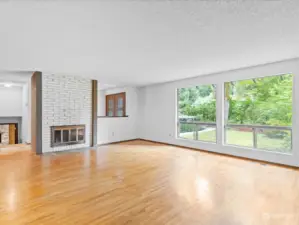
197 113
258 113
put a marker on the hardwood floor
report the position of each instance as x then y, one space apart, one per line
144 183
8 149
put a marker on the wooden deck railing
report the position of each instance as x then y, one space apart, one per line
255 129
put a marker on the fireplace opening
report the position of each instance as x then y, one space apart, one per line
57 136
81 134
73 134
67 135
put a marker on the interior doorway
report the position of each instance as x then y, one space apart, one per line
15 113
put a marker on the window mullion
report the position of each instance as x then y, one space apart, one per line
220 113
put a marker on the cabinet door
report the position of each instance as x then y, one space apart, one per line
110 105
120 104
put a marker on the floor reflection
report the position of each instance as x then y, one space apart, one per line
145 184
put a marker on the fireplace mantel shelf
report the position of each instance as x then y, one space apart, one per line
112 116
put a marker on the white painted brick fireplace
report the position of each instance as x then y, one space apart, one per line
67 100
4 132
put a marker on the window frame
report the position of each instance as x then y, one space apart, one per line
256 127
115 108
196 137
221 145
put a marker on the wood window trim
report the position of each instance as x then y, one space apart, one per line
115 97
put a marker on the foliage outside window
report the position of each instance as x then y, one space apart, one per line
197 113
263 101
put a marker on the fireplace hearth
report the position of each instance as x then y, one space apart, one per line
67 135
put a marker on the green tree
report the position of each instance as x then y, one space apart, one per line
265 100
198 102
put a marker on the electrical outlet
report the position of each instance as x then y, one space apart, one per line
112 133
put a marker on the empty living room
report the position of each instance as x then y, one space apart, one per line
142 112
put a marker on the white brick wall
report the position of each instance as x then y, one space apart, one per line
67 100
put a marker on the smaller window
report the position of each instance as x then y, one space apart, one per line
116 105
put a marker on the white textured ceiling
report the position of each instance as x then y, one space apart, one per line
143 42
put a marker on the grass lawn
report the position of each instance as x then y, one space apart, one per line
242 138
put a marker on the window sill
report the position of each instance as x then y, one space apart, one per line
112 116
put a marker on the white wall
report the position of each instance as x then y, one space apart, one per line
157 111
26 112
29 110
67 100
11 101
115 129
102 103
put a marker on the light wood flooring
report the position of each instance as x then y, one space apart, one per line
13 148
140 182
